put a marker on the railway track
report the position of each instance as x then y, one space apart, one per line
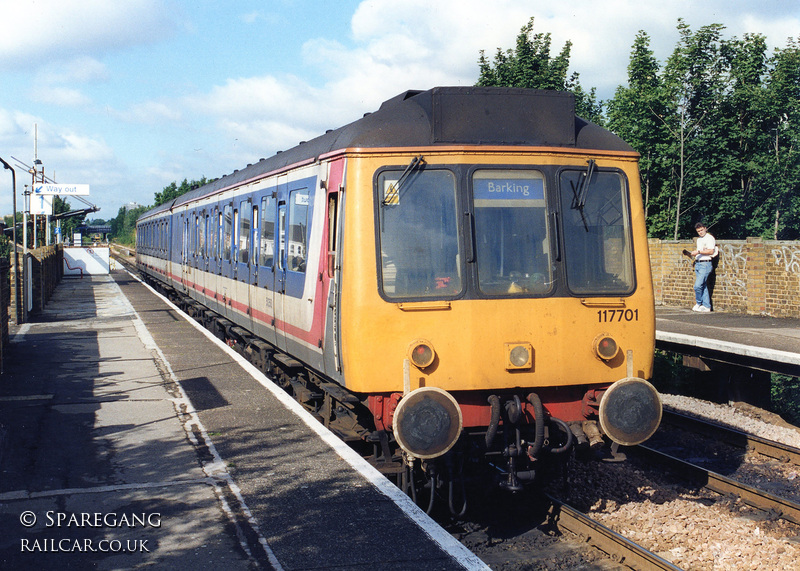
619 548
754 497
733 437
786 508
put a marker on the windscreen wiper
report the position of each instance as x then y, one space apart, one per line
393 195
579 194
583 189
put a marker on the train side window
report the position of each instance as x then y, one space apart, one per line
267 246
201 235
213 233
185 241
195 228
245 212
298 227
227 232
420 251
209 237
333 202
235 238
282 235
254 241
597 232
220 233
511 234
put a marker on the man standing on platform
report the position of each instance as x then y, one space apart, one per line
703 255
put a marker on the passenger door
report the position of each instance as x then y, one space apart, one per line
243 234
280 275
265 268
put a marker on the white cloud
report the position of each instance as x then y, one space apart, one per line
82 149
82 69
40 30
61 96
151 113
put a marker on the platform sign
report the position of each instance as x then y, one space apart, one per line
61 189
42 204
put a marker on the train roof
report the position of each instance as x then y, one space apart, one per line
442 116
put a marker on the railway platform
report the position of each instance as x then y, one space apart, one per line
751 341
129 437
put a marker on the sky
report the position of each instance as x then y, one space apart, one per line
128 96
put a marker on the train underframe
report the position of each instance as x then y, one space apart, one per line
508 439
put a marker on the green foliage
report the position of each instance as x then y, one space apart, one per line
173 191
718 130
123 227
785 397
530 66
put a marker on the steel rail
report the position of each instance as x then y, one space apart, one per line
621 549
734 437
781 507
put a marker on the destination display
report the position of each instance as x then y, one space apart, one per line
509 188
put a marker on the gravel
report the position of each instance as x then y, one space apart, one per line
693 528
741 416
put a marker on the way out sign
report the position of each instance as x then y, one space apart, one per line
62 189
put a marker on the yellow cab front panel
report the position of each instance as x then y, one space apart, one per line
502 267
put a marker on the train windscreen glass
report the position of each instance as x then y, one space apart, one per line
419 247
597 232
511 234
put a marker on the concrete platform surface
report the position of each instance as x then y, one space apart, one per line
130 438
760 339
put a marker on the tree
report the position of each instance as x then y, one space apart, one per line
637 113
173 191
123 227
718 129
775 191
530 66
694 82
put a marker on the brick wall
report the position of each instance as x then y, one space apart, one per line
759 277
47 268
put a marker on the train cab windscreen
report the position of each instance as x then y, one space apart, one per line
419 245
597 232
511 233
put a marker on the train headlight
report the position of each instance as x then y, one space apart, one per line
630 411
421 353
605 347
427 422
519 356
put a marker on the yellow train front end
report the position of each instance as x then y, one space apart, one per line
494 289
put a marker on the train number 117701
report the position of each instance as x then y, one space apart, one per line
611 315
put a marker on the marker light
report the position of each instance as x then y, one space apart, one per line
421 353
605 347
519 356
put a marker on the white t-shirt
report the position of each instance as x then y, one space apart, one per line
707 242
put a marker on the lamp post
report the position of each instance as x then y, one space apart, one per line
17 316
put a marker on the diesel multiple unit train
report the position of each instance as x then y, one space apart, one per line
461 274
